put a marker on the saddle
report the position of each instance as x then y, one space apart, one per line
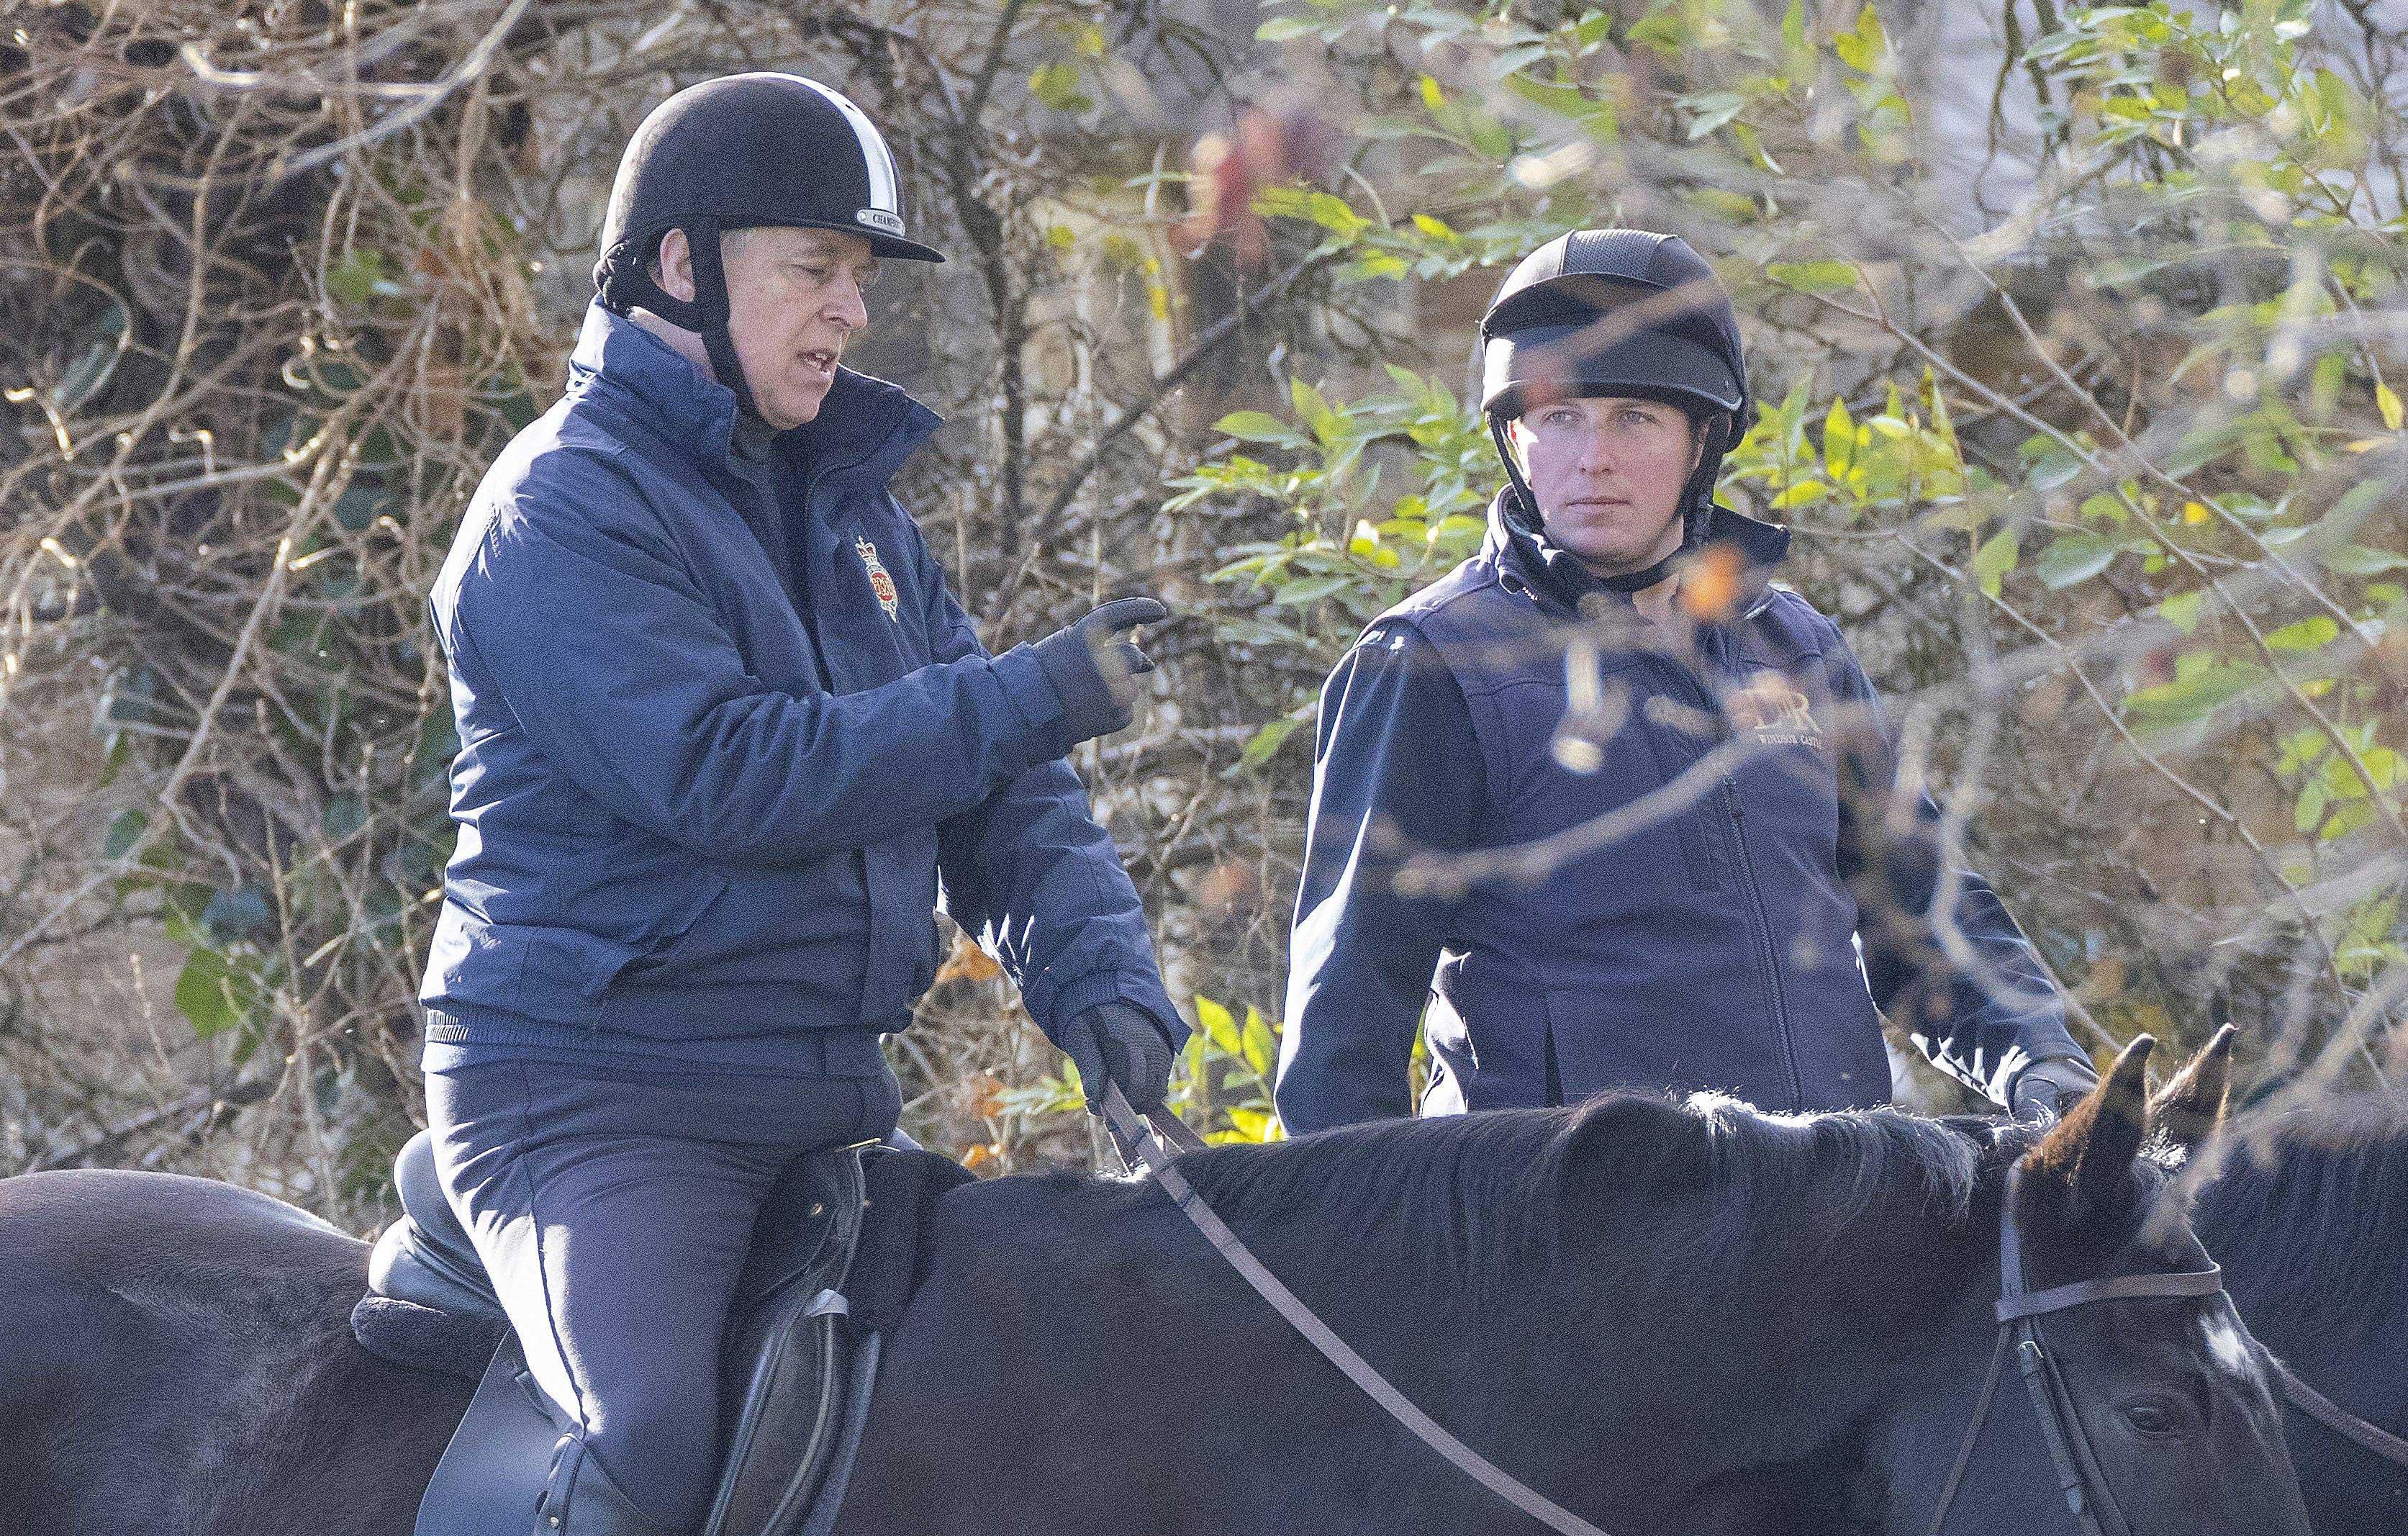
833 1256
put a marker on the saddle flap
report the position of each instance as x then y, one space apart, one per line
803 1238
797 1367
785 1412
494 1471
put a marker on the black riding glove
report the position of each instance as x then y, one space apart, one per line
1093 666
2044 1090
1114 1042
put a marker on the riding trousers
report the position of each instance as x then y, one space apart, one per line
613 1207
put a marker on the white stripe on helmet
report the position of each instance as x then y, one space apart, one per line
876 158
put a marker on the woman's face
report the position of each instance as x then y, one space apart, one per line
1608 474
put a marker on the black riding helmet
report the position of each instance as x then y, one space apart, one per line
1617 312
732 153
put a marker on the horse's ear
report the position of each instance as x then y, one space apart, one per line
2188 1109
2081 1172
1635 1145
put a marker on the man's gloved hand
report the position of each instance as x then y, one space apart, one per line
2044 1090
1095 665
1115 1042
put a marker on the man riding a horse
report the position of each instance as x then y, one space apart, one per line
725 736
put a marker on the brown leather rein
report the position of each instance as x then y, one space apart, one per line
2341 1421
1149 1142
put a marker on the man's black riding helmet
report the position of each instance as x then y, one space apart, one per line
1617 312
732 153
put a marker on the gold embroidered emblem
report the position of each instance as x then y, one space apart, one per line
1771 706
880 582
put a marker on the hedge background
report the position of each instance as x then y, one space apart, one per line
2075 328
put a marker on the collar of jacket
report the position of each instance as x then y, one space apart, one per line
1528 561
865 429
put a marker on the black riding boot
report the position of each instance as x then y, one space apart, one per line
580 1500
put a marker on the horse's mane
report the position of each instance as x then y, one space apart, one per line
2321 1206
1474 1193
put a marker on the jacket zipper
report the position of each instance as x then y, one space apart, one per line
1759 921
1764 938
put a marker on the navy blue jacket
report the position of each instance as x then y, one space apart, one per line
722 728
1711 943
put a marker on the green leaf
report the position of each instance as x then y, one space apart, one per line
1333 213
1279 29
2307 635
2200 684
354 280
1839 440
2310 810
1248 1127
1261 1045
2182 610
1265 744
124 833
1255 426
2387 403
210 995
1995 558
1490 136
1374 264
1823 276
2359 560
1713 111
1311 589
1057 84
1219 1024
1864 49
2075 558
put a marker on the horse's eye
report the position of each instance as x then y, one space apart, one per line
2156 1416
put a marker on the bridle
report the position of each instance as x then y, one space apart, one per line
2364 1434
2019 1309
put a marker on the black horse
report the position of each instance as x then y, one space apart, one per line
2312 1227
1695 1319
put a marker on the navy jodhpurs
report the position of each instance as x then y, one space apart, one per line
613 1207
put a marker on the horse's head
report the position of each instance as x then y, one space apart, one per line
2095 1381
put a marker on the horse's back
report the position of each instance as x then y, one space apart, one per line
176 1354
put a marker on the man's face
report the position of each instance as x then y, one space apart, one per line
793 298
1608 475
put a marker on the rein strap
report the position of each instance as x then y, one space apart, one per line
2363 1433
1138 1145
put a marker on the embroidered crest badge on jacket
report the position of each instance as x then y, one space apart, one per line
880 583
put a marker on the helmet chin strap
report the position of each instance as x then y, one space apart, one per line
1696 505
707 313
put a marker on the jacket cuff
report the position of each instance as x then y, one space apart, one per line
1054 1004
1032 697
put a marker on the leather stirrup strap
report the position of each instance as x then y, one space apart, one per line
1140 1146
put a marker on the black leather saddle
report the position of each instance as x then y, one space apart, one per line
800 1357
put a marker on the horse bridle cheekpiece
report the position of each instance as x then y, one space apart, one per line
1150 1145
2019 1310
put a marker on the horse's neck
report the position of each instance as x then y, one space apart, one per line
1707 1385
